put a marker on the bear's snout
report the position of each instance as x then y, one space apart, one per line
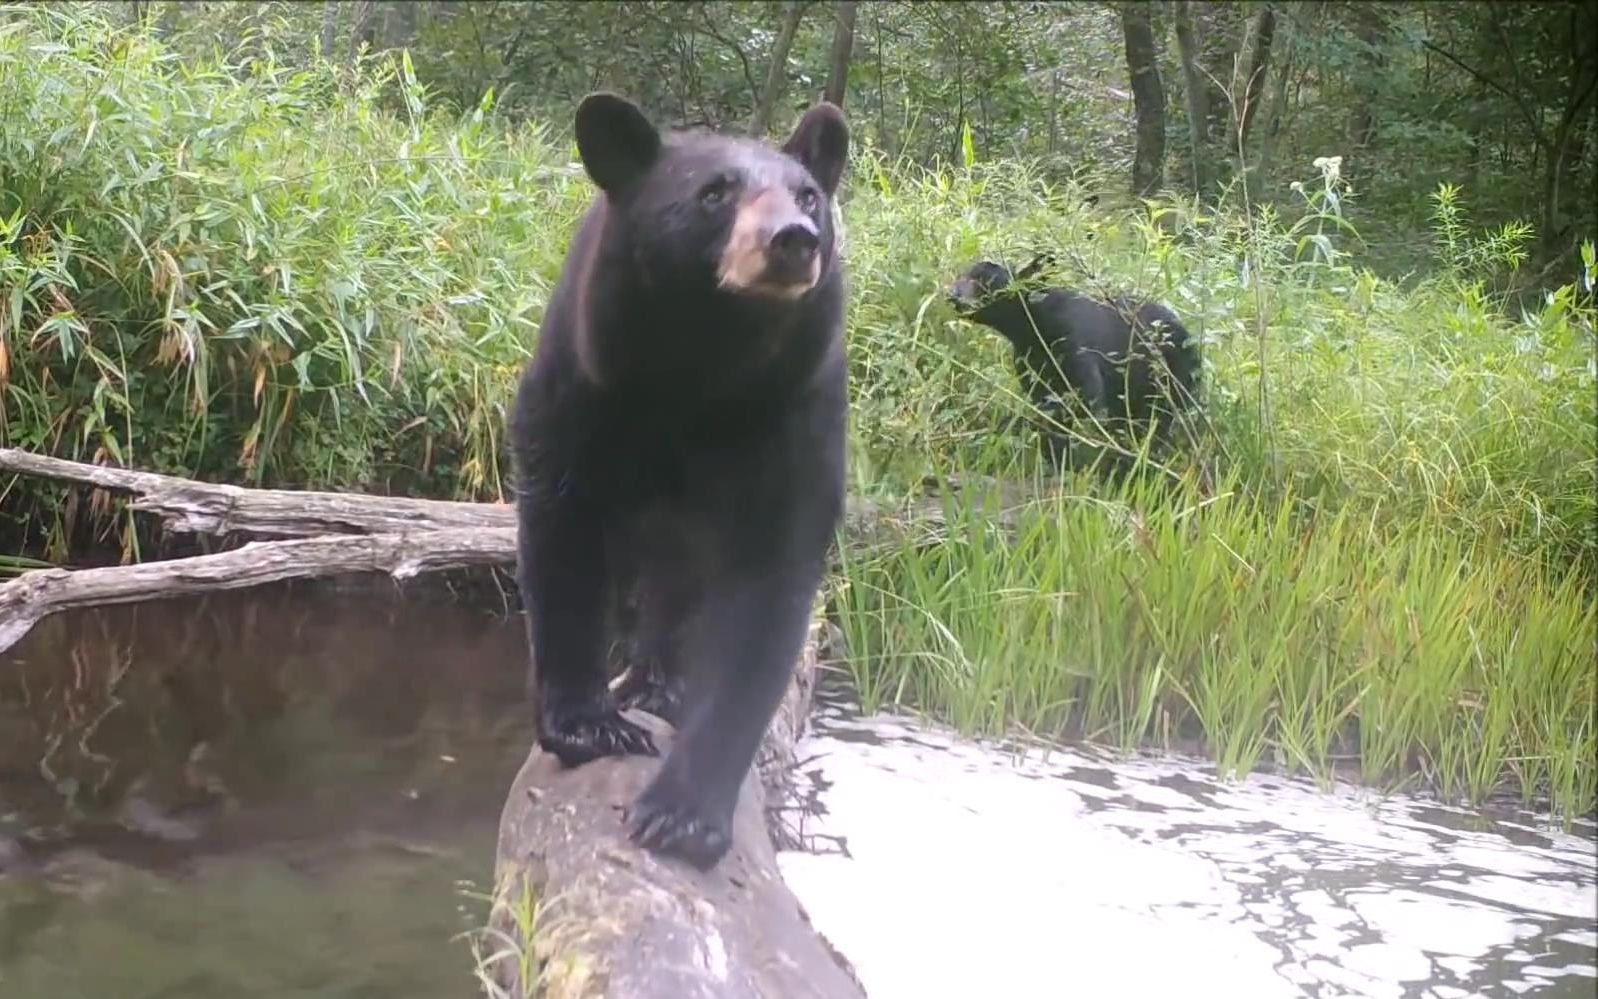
791 250
966 295
774 249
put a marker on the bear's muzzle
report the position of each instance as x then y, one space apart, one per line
774 249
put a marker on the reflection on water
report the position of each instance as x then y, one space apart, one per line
357 918
264 794
961 870
277 794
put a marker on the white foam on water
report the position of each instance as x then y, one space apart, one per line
971 871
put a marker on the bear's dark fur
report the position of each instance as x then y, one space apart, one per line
678 440
1125 363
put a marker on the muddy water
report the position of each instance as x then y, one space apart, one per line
292 793
959 869
274 794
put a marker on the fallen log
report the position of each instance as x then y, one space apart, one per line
26 600
354 532
189 506
580 913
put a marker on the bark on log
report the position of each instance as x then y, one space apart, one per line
614 921
191 507
26 600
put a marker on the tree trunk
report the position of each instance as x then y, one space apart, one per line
1148 98
399 24
1220 38
329 28
1480 138
1054 116
956 146
363 29
1557 224
1159 14
1276 112
884 138
1590 162
1370 27
1195 96
777 72
1263 34
842 48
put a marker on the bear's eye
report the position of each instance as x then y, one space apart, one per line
715 192
808 199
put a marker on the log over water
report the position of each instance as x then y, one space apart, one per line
398 535
611 920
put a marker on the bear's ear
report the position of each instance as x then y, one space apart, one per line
1039 262
821 142
616 141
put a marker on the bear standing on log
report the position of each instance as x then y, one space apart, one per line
680 434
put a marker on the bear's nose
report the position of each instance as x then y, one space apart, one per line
793 246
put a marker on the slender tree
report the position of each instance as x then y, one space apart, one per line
777 71
1148 98
842 48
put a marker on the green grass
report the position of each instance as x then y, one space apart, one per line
505 948
1166 619
263 276
309 278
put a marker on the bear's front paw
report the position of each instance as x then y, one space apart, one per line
675 823
579 732
660 697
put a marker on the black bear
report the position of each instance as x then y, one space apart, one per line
678 446
1081 359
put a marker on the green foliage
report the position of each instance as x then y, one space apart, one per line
258 273
1405 404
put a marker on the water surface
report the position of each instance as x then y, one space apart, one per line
958 869
289 794
266 795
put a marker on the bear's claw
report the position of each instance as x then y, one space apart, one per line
577 736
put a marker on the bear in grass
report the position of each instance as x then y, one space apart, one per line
1112 368
678 443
